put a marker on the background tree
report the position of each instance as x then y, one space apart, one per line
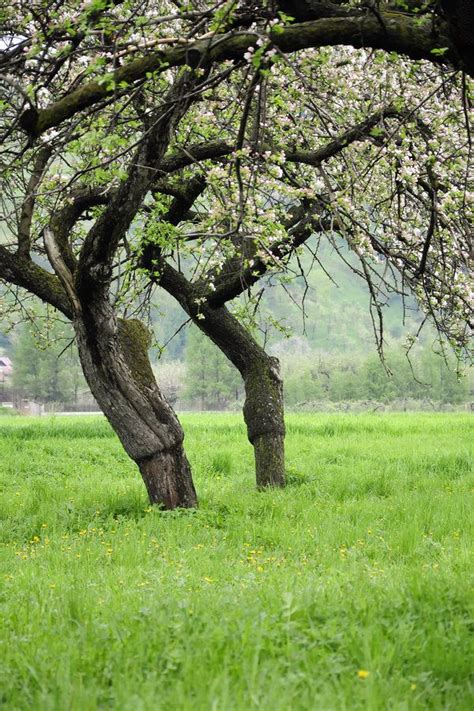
46 364
210 377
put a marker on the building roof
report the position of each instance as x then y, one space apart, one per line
6 366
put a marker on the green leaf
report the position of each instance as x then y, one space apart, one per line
439 51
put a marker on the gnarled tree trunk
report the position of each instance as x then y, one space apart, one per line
459 15
263 408
264 417
115 362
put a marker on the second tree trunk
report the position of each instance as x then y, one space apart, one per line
264 417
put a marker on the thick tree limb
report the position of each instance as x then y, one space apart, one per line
61 269
183 203
460 18
28 275
63 221
304 10
94 267
233 280
391 31
359 132
222 327
182 157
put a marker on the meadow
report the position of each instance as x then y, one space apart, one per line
347 590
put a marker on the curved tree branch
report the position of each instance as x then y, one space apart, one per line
391 31
28 275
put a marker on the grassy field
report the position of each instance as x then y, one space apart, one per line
348 590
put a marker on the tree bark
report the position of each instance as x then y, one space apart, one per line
264 417
263 408
115 361
460 17
168 481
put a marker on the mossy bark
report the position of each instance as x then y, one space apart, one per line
269 451
264 417
114 357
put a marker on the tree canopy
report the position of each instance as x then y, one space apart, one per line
264 116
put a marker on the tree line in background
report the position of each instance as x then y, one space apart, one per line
315 378
47 369
46 364
424 377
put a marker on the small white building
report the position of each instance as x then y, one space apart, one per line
6 368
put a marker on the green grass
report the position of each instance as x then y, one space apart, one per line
272 600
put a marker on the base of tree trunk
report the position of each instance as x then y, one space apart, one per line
269 452
167 477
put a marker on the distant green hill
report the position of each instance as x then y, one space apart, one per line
337 315
337 310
